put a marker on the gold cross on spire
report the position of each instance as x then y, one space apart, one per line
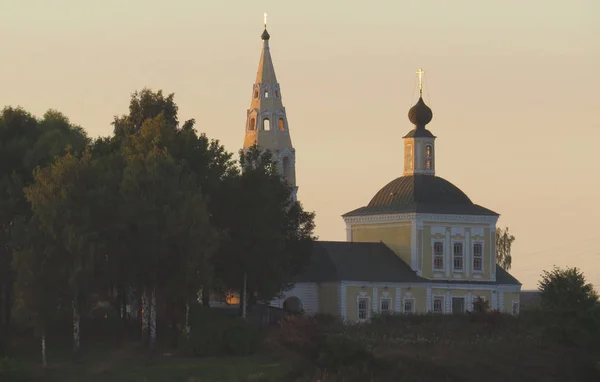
265 20
420 72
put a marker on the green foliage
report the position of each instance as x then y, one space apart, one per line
504 242
12 370
213 334
480 305
566 291
270 235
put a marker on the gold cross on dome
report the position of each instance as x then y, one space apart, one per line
265 18
420 72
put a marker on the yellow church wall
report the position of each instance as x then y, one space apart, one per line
509 298
420 296
329 298
394 235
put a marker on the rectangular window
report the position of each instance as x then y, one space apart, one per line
438 255
438 305
458 305
478 257
363 308
409 305
386 305
458 256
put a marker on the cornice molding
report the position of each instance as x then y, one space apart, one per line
394 218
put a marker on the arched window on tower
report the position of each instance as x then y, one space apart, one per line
255 93
287 168
266 94
281 124
428 157
252 125
277 94
266 124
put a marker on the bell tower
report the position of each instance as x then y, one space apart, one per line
419 147
266 121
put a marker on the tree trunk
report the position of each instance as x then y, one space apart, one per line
153 321
243 297
76 320
145 316
206 297
44 363
187 321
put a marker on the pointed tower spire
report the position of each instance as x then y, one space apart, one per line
419 142
266 122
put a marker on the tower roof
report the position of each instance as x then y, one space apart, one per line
266 70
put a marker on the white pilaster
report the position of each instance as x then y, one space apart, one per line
343 302
375 300
448 251
413 246
398 301
468 249
428 301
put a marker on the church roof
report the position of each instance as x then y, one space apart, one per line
371 262
420 194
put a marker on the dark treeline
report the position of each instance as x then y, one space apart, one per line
151 215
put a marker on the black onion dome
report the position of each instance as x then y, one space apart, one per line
265 35
420 114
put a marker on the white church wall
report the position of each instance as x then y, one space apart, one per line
307 293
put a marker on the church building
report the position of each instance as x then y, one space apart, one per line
420 245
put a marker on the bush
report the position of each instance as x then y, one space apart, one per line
214 334
12 370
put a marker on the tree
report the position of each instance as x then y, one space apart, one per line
65 199
25 143
169 232
270 235
504 242
566 291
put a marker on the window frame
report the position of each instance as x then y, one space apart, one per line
389 301
481 256
443 302
412 302
367 309
462 256
434 256
518 311
268 123
429 158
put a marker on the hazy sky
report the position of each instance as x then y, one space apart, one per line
514 87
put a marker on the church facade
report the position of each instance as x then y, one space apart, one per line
420 245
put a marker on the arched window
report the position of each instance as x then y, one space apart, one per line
255 93
287 168
277 94
428 157
252 124
266 94
266 124
281 124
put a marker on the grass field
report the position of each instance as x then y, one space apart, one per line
129 363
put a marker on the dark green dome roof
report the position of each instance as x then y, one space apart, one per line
419 189
421 194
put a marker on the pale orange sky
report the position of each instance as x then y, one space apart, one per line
514 87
